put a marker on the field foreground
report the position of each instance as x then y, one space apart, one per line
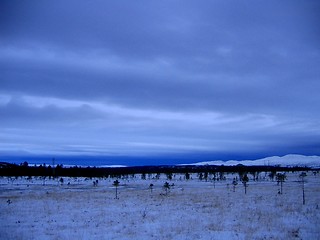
193 209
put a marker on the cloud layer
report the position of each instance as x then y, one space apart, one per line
158 78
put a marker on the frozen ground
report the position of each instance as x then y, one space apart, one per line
193 209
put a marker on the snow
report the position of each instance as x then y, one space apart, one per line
100 166
287 160
112 166
43 209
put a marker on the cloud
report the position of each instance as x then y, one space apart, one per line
157 84
110 129
153 77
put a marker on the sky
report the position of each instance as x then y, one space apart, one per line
190 80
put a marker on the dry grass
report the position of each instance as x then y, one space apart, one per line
192 210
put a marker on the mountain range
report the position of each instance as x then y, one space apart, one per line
284 161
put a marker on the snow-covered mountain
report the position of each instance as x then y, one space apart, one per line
287 160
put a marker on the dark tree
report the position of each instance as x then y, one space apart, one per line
280 177
272 175
200 176
245 181
214 179
234 183
169 176
151 187
187 176
166 187
205 176
25 164
116 184
221 176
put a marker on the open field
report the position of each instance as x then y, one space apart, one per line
193 209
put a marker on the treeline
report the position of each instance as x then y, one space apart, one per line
24 169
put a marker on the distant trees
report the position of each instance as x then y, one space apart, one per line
214 179
221 176
143 176
255 175
169 175
205 176
271 175
57 171
95 183
24 164
187 175
61 181
158 176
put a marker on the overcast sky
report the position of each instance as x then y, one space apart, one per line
221 79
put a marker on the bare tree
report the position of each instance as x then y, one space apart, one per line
61 181
151 187
245 181
116 184
302 176
214 179
234 183
166 187
187 176
280 177
271 175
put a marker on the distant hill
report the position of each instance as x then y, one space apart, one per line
287 160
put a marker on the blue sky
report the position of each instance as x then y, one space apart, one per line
159 79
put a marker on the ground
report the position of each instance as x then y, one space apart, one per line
192 209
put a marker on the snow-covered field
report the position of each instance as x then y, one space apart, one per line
193 209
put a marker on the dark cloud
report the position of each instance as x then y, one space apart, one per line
18 112
180 76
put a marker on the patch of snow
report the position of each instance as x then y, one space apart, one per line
287 160
100 166
112 166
